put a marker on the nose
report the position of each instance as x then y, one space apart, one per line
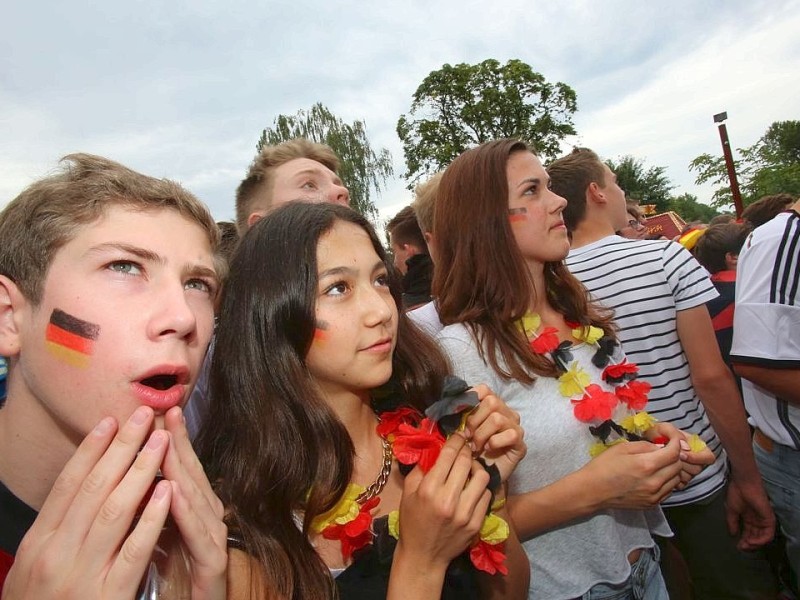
379 306
559 202
339 194
172 314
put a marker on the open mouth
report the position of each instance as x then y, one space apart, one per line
160 382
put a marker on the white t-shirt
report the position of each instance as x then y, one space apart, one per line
766 325
426 317
568 560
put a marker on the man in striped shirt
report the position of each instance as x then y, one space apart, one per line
766 354
658 292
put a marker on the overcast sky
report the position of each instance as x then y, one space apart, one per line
182 89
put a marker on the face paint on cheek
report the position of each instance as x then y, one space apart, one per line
517 215
71 339
320 335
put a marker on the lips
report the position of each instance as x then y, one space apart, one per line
163 387
382 345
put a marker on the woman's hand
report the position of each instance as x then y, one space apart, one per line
81 544
635 474
691 462
197 512
494 432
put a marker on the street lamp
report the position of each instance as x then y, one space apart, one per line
720 118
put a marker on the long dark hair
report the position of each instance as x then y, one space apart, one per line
481 278
270 443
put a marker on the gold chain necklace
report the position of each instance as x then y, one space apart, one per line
377 486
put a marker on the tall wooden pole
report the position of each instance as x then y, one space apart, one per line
726 151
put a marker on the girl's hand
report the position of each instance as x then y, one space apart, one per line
197 512
494 432
81 544
442 511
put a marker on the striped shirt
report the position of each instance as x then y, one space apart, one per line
766 326
646 283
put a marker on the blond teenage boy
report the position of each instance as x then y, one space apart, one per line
107 287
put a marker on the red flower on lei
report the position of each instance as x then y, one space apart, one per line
634 394
596 403
418 445
620 372
391 421
489 557
354 534
546 341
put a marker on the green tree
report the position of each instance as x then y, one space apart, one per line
770 166
645 185
461 106
688 207
362 170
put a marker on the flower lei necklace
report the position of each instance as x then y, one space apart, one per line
590 402
415 439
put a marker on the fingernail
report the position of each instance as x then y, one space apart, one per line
683 456
139 416
104 426
156 440
685 445
161 490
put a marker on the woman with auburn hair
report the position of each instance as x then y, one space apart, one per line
323 403
585 499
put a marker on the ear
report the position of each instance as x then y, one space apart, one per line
595 194
12 303
731 260
254 218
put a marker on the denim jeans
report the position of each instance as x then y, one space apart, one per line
644 583
780 470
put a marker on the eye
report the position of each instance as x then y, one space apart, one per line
309 185
339 288
382 280
202 285
126 267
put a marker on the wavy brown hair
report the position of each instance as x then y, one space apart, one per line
481 279
271 444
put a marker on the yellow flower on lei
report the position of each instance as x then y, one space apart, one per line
588 333
695 443
494 529
345 510
529 324
574 381
598 448
638 423
394 524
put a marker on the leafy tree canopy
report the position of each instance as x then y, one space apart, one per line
362 170
642 184
770 166
461 106
688 207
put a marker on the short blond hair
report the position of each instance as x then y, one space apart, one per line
50 212
259 175
425 202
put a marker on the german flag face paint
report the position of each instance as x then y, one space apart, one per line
320 334
70 338
517 215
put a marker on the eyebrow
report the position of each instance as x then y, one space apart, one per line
335 271
537 180
318 171
191 269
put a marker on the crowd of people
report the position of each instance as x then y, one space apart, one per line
524 396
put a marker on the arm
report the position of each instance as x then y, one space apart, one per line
717 390
784 383
630 475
